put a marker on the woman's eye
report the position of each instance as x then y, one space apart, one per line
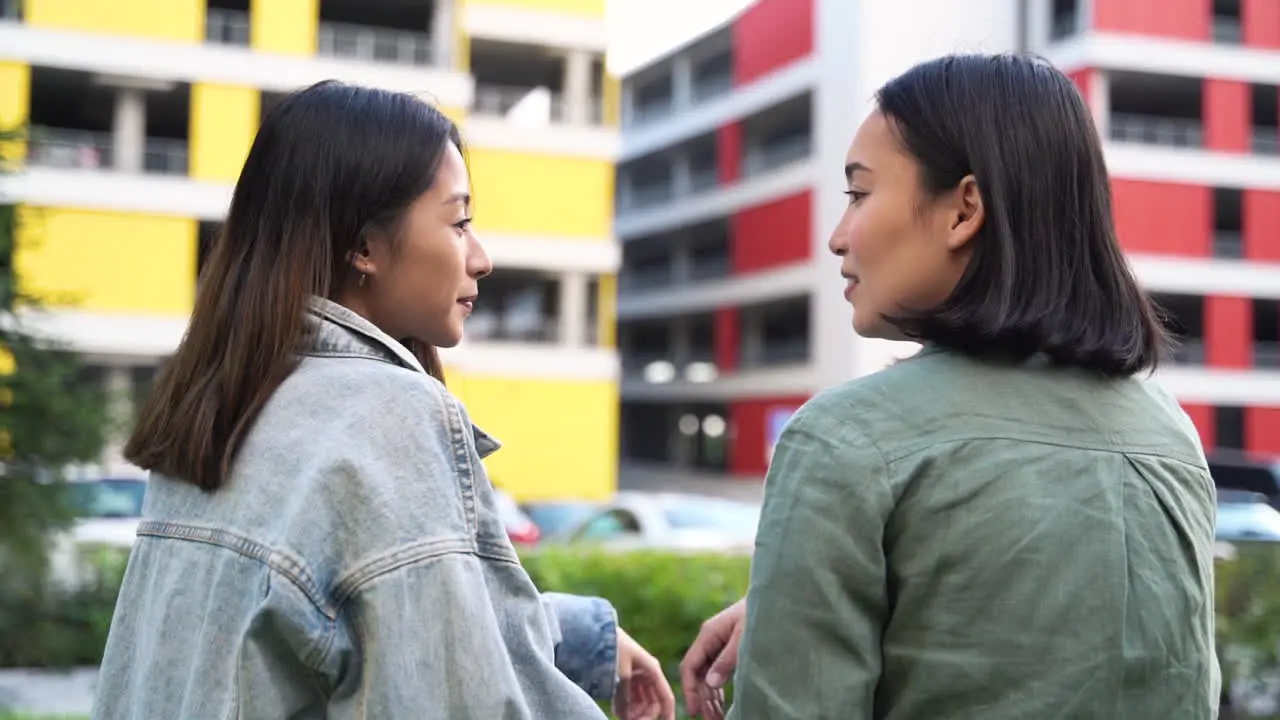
854 196
463 225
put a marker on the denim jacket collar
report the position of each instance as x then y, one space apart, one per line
342 332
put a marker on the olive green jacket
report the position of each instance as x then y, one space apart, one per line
952 539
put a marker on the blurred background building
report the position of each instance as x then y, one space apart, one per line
141 113
729 308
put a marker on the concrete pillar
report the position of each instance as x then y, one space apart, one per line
1039 23
681 175
628 104
119 391
681 82
681 261
680 345
1100 101
129 130
573 309
577 87
442 33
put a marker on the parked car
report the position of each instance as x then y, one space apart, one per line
557 517
1245 516
520 528
672 521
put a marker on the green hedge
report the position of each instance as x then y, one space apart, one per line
661 598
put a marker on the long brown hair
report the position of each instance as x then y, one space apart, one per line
329 164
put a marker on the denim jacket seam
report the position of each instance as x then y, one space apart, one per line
463 468
283 563
402 556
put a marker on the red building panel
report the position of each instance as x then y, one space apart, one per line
1203 417
1228 330
1228 117
1261 223
1165 218
1182 19
771 235
1082 79
1261 20
770 35
729 152
751 421
726 335
1262 431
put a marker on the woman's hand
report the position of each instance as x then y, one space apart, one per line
711 660
643 692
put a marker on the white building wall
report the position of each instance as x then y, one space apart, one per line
862 44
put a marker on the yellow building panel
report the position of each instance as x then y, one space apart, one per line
574 455
15 101
531 194
612 92
576 7
181 20
224 119
461 44
284 26
107 262
607 311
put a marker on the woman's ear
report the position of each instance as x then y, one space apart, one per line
969 213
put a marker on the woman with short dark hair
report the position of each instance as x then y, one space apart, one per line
1016 523
319 538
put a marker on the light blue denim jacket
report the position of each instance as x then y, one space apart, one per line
353 566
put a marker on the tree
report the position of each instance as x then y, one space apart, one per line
49 418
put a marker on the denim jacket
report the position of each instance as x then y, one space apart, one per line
353 566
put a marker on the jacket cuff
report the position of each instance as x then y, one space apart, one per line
587 647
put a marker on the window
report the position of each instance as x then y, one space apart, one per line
1229 427
1184 319
516 305
1266 333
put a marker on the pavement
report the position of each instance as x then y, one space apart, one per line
48 692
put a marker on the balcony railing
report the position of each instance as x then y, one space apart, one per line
374 44
1266 354
1155 130
69 149
646 278
166 156
1227 30
709 267
651 110
1188 351
643 196
710 85
1228 244
507 101
90 150
514 327
703 178
226 27
776 154
1265 140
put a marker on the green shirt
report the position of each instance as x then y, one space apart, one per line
958 539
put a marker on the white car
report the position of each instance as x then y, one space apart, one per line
670 521
108 511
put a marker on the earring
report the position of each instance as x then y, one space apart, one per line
363 277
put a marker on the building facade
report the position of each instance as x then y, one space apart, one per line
141 112
730 311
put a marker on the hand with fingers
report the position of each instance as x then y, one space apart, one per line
643 692
710 662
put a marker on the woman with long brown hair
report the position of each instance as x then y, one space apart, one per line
320 538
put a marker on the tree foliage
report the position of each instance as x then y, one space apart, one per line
49 418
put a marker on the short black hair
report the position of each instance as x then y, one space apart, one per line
1047 275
